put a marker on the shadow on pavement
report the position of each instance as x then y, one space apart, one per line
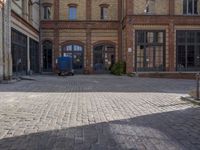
177 130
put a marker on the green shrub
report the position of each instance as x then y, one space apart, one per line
118 68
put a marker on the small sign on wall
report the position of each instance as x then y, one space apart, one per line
129 50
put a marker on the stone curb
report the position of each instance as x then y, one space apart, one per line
191 99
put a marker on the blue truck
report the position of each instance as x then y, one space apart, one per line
65 65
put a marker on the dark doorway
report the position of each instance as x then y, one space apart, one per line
47 56
188 50
77 54
34 56
103 58
19 52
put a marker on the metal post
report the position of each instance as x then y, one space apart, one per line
198 78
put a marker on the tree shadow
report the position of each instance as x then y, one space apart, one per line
176 130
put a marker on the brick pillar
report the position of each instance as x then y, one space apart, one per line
171 7
56 9
120 43
171 38
7 57
129 49
129 7
120 30
88 9
129 37
56 51
88 51
88 62
171 47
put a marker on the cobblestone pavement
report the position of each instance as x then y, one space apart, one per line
98 113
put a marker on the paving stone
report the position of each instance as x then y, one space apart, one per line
98 112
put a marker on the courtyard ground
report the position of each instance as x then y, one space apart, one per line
98 112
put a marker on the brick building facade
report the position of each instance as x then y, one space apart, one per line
83 34
147 34
25 36
19 37
171 26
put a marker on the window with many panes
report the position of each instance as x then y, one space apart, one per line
190 7
150 50
188 50
72 12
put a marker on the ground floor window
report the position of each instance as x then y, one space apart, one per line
19 52
47 56
77 54
150 50
103 58
34 56
188 51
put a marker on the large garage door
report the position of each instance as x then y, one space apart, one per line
19 52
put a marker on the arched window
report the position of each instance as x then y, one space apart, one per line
76 51
103 57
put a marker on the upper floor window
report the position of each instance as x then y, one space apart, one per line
190 7
72 12
47 11
150 7
29 10
104 11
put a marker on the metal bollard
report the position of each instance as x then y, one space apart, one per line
198 78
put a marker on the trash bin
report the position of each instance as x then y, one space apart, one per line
64 65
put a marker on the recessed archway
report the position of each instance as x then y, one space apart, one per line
103 57
76 51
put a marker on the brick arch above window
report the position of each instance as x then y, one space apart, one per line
47 4
73 5
104 42
71 42
47 40
104 5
